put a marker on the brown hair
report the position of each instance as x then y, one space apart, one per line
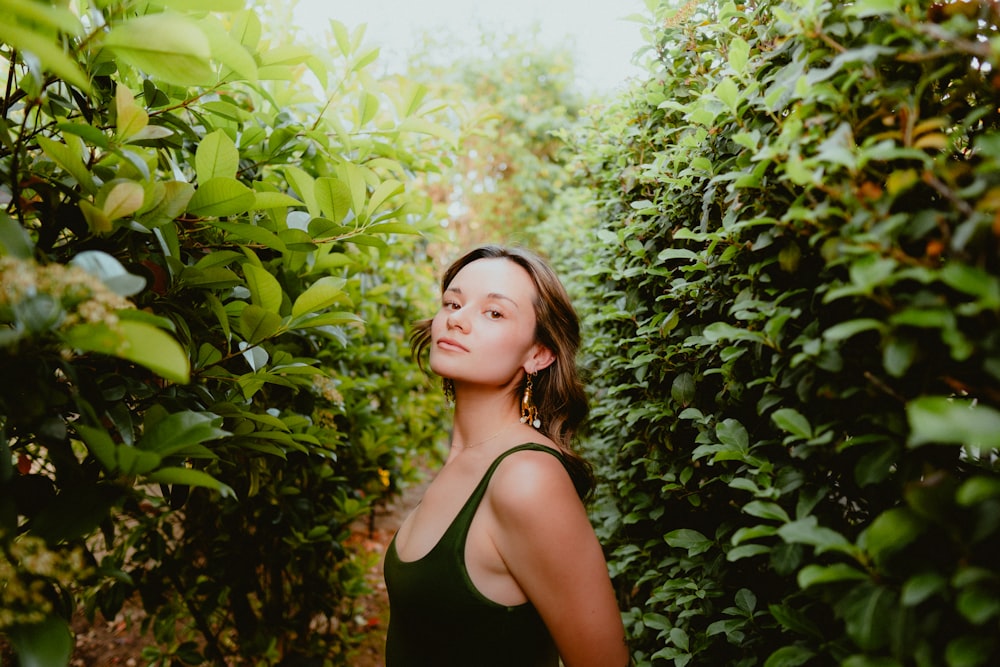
558 390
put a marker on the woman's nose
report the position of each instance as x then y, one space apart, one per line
456 319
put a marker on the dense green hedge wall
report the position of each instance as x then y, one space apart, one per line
792 313
210 251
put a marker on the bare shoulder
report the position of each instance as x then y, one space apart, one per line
529 477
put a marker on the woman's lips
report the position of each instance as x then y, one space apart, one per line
449 344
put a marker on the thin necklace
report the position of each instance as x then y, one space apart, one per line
495 435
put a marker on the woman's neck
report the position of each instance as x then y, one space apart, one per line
482 417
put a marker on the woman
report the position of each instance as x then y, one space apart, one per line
499 565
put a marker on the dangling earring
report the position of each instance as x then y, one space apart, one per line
529 411
449 390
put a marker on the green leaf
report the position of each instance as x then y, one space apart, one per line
976 490
789 656
692 540
792 421
720 331
216 157
45 644
869 661
179 430
110 272
132 461
100 445
921 586
978 605
139 342
267 200
941 420
793 619
322 294
221 196
122 199
307 321
727 91
70 160
812 575
190 477
229 51
48 52
845 330
892 530
746 551
257 324
868 615
868 8
252 233
176 195
165 46
969 651
130 117
766 510
265 290
14 239
333 197
808 531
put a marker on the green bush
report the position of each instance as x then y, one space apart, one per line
794 337
210 255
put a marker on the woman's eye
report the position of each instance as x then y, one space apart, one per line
494 314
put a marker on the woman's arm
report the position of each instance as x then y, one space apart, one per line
549 547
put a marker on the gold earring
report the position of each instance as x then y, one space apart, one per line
529 411
449 390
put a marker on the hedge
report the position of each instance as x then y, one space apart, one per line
791 292
210 251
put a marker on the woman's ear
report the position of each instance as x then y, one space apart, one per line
540 358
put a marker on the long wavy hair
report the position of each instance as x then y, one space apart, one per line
557 390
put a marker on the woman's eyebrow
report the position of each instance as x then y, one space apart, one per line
491 295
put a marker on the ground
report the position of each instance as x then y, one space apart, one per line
118 642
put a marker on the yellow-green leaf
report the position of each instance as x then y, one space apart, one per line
275 200
96 220
257 324
70 160
217 156
333 196
49 53
227 50
132 118
221 196
123 199
165 46
265 290
321 294
135 341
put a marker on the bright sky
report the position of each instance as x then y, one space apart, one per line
595 30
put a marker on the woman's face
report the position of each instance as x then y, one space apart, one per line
484 331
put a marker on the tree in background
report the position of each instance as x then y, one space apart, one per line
512 96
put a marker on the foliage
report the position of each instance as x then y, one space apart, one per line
794 334
516 93
207 271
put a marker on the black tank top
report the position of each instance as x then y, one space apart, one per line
437 618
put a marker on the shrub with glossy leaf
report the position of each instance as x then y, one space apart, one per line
794 338
207 271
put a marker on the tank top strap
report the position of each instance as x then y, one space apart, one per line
464 518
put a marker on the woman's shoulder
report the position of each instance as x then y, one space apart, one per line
529 474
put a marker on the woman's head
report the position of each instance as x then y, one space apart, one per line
557 389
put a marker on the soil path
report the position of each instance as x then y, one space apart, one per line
119 642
